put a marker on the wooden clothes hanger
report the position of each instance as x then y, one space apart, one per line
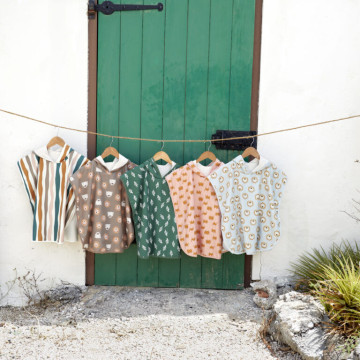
207 155
110 151
56 140
251 151
162 155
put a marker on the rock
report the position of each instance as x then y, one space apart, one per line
336 348
283 281
284 284
262 294
297 322
356 355
266 293
66 293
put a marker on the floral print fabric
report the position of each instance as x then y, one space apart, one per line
152 209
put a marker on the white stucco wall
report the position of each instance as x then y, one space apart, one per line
43 74
309 73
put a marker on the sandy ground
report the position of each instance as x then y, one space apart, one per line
133 323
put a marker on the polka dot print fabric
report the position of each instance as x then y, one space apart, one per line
103 209
249 197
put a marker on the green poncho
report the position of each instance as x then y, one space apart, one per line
152 209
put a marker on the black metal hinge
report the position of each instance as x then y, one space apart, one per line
240 144
108 7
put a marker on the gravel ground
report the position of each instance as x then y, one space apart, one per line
133 323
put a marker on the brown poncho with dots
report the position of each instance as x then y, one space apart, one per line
103 211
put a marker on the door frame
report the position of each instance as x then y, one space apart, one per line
92 113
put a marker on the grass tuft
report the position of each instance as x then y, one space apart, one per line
340 295
309 268
333 277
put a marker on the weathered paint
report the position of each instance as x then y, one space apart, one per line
181 73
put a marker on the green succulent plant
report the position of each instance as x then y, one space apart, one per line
340 295
309 267
333 277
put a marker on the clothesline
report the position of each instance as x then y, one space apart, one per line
179 140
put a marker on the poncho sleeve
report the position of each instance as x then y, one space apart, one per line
28 167
76 163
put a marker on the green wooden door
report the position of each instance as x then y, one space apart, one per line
178 74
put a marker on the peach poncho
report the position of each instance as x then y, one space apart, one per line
196 209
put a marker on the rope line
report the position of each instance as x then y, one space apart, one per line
182 141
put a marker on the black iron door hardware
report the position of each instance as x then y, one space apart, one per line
108 7
239 144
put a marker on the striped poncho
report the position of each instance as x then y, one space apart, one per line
46 176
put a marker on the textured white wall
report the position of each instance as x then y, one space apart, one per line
309 73
43 74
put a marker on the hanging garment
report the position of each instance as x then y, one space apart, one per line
46 175
152 210
196 209
249 196
102 206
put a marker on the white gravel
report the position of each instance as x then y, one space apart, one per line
124 323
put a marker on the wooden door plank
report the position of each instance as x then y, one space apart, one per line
107 112
169 272
152 80
218 105
130 84
148 272
195 107
108 78
105 267
173 104
174 76
190 272
211 273
126 267
240 105
152 111
241 64
241 67
233 271
196 76
219 71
